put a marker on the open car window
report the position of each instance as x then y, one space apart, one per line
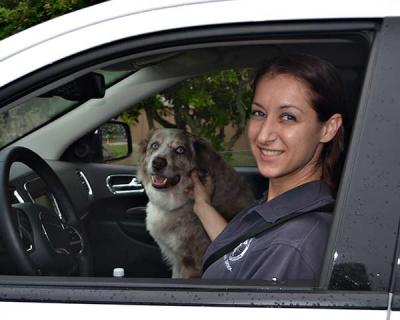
146 96
194 105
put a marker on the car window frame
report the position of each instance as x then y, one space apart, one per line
186 292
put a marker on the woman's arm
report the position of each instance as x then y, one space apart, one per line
212 221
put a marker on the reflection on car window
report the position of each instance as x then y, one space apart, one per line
213 106
32 114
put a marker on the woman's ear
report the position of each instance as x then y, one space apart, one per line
331 127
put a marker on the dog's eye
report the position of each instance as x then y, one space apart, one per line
154 145
180 150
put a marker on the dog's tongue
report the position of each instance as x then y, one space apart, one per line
159 181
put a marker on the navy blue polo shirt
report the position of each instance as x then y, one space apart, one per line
291 251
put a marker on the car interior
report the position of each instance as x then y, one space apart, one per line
88 205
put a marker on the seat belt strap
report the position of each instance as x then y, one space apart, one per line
257 230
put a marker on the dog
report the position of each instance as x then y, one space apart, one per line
166 159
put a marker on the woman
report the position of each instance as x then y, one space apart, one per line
296 135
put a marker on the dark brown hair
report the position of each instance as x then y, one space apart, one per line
327 98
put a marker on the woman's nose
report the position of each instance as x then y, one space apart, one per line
268 131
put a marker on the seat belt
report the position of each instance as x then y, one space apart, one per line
258 229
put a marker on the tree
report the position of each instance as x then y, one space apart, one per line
16 16
206 106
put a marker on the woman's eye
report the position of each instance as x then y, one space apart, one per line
257 113
180 150
288 117
154 146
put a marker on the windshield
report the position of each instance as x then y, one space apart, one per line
26 117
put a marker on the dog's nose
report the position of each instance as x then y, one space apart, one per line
159 163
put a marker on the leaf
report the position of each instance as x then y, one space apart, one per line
205 105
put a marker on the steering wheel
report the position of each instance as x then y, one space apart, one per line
39 241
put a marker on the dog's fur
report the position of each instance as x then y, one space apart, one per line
172 153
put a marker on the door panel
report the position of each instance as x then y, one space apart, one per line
116 224
115 221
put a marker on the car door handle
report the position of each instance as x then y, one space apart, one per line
124 184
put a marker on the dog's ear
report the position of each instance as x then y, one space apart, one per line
143 144
143 147
205 155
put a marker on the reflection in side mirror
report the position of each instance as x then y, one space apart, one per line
89 86
115 140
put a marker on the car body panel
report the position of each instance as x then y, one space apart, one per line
66 311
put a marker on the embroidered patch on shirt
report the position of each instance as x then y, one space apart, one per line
237 253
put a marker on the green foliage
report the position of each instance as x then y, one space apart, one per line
16 16
205 105
113 131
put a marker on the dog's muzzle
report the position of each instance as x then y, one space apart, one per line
159 163
158 180
161 182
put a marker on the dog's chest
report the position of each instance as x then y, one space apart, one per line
169 227
159 221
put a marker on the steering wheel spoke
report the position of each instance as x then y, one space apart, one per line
24 228
46 239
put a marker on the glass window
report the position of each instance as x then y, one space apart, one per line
32 114
215 106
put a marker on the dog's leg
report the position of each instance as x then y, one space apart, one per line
176 274
185 268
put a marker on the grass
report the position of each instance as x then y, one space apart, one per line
118 150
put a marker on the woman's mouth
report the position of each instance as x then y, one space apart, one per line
268 154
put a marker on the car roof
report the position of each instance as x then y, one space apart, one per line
118 19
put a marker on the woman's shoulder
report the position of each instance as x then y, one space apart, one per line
300 232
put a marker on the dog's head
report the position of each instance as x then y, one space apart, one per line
167 157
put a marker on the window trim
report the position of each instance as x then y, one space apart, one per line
181 292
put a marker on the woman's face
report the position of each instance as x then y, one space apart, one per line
284 132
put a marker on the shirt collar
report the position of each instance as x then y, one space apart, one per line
306 197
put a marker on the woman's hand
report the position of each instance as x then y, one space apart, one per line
201 193
212 221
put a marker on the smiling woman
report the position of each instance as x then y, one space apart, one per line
289 136
296 131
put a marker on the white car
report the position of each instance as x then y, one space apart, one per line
72 185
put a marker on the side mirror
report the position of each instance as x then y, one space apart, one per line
115 139
111 141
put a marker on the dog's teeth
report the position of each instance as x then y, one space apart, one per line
159 180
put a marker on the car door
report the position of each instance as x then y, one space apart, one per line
358 266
